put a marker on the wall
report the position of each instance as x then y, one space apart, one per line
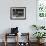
24 25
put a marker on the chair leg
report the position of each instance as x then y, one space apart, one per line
5 43
5 39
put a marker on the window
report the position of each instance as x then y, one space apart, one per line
41 8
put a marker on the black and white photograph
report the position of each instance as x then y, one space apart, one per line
17 13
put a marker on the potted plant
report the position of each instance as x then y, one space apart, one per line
38 27
42 27
39 35
35 26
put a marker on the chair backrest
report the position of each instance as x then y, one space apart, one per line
24 37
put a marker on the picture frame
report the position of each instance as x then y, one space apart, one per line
18 13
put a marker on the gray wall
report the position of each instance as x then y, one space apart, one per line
24 25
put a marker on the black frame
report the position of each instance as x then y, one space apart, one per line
14 8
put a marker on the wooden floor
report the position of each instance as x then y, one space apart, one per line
13 44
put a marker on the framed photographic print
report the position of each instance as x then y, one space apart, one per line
18 13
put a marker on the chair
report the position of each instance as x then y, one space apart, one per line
7 35
14 32
26 41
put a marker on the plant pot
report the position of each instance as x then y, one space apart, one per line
40 41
